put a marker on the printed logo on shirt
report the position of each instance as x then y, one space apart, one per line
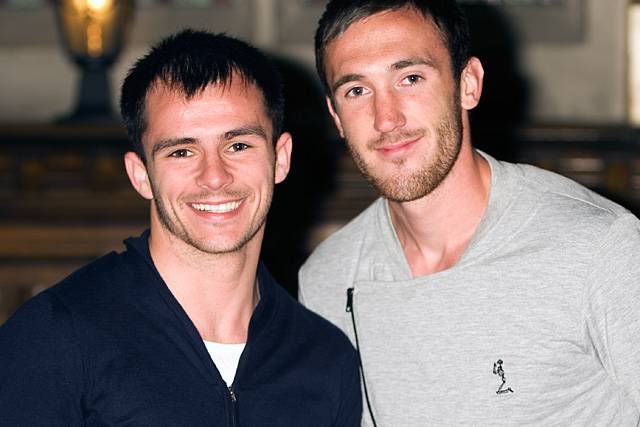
499 371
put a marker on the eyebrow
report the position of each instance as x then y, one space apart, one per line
411 62
345 79
172 142
245 131
399 65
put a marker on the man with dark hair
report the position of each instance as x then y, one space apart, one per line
186 327
465 263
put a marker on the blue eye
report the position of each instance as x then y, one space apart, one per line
356 91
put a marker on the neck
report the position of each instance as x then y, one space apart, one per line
435 230
217 291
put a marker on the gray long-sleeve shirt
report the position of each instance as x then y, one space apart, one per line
537 324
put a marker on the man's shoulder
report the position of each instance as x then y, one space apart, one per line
301 327
565 200
53 317
318 329
558 185
340 248
96 279
328 272
333 261
83 291
317 354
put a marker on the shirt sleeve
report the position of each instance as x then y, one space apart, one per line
612 305
40 370
350 408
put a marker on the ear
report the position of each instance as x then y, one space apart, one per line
471 84
336 118
283 157
138 176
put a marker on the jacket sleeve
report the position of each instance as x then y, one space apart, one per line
611 305
39 366
350 408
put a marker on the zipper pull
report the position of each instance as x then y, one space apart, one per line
232 395
349 300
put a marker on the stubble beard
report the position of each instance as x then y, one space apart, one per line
175 227
405 186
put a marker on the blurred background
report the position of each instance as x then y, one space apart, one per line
562 91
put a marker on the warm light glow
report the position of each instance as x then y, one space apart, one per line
92 9
92 27
94 39
94 14
79 5
98 5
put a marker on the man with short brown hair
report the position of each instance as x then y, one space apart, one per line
186 327
478 292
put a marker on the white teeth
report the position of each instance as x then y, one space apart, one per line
221 208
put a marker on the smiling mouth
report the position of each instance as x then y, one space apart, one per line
217 208
397 147
397 142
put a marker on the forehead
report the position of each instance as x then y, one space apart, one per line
215 109
386 36
235 93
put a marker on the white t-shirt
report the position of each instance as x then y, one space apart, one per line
226 358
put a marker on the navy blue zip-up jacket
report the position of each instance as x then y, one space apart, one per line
111 346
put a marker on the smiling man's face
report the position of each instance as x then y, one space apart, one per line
396 102
211 165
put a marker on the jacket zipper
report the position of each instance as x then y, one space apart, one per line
349 309
234 400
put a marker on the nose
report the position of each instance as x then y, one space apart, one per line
214 173
388 115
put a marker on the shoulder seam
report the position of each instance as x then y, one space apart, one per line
548 190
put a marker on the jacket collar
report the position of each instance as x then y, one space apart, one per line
138 248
